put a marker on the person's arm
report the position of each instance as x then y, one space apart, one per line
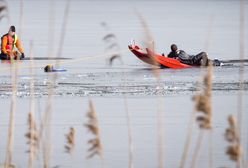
4 43
19 46
172 55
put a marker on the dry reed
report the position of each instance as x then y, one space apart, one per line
93 126
232 136
3 10
70 141
203 107
111 43
63 29
21 18
203 102
190 125
149 43
10 142
130 139
45 128
32 137
240 100
32 134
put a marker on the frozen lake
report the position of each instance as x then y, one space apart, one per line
208 25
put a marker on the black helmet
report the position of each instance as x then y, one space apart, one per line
173 47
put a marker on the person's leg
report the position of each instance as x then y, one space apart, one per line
201 59
3 56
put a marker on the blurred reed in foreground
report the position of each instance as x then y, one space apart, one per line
203 109
112 45
233 138
70 141
93 126
3 10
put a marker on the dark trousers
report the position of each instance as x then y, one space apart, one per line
200 59
3 56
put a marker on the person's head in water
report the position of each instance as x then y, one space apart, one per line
174 47
48 68
12 30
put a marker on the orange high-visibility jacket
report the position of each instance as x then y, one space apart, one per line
9 43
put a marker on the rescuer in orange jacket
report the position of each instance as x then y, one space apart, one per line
11 47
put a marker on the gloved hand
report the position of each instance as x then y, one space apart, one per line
22 56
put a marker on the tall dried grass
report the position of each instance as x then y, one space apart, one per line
241 80
203 106
3 10
32 134
149 43
14 76
45 128
11 130
70 141
199 98
32 137
233 137
21 18
92 125
112 45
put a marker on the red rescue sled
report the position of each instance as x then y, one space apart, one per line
152 58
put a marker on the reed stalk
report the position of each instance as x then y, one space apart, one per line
4 10
10 142
197 149
46 119
111 42
210 149
63 29
203 106
21 18
32 134
241 80
149 42
160 115
188 140
130 140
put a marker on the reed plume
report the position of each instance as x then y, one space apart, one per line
70 141
93 127
203 107
203 102
32 135
150 48
232 136
11 129
111 43
3 10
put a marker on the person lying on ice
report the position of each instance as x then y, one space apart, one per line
11 47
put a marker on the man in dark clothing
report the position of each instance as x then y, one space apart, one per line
183 57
